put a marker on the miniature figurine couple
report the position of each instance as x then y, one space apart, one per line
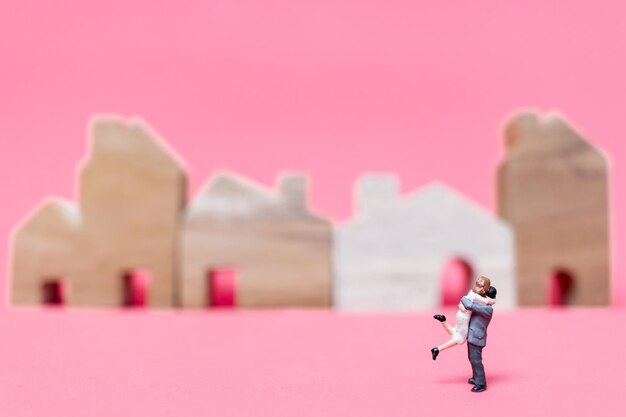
472 319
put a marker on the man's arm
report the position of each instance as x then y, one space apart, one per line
486 311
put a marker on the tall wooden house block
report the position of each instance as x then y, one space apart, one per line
390 256
132 193
553 189
278 253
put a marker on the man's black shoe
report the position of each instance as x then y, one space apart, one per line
439 317
471 381
435 352
479 388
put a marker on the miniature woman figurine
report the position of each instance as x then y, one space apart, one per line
458 333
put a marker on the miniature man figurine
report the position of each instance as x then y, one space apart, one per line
477 337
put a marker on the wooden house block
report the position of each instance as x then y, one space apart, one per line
278 252
46 240
390 256
132 193
553 189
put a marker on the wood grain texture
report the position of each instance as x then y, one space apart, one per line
132 192
390 256
44 246
552 187
282 253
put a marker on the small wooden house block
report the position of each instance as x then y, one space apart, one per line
278 253
43 247
553 189
132 193
391 255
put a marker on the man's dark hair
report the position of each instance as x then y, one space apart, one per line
491 292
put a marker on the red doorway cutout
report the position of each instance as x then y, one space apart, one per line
455 281
222 287
561 286
53 292
135 286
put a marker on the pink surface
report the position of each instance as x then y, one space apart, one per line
299 363
331 87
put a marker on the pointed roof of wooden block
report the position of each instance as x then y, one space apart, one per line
53 213
435 199
550 138
440 194
231 195
529 132
131 141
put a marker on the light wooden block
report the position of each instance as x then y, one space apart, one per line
390 256
281 252
553 189
43 247
132 193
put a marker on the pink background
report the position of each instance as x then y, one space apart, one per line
332 87
306 363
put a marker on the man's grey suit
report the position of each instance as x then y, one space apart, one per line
477 337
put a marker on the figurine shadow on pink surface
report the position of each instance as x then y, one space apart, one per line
472 319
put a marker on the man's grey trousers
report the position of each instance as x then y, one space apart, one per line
475 355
